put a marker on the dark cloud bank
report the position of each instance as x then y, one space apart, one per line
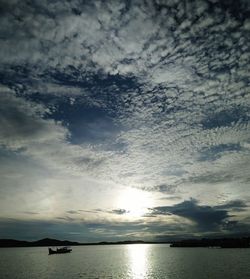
206 218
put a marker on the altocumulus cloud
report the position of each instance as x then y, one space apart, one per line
102 95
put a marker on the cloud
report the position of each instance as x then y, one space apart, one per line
206 218
37 229
163 223
72 211
119 211
226 118
152 95
215 152
237 205
163 188
22 123
71 229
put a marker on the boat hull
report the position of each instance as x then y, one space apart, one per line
59 251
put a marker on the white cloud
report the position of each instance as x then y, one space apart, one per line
22 123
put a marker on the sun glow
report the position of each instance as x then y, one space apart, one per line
136 202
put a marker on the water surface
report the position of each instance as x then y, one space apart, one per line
126 261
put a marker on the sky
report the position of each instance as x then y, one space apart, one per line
124 120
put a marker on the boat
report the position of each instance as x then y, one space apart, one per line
62 250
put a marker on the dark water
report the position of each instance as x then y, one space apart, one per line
126 261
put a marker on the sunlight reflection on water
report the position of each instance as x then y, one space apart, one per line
138 260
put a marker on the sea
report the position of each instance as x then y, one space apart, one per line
125 261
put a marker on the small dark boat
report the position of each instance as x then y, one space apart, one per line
62 250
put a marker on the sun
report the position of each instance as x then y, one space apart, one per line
135 201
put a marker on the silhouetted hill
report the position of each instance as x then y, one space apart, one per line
122 242
13 243
53 242
42 242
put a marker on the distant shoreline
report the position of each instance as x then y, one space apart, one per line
54 242
243 242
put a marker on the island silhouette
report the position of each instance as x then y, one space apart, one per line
55 242
243 242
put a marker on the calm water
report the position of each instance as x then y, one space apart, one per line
126 261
